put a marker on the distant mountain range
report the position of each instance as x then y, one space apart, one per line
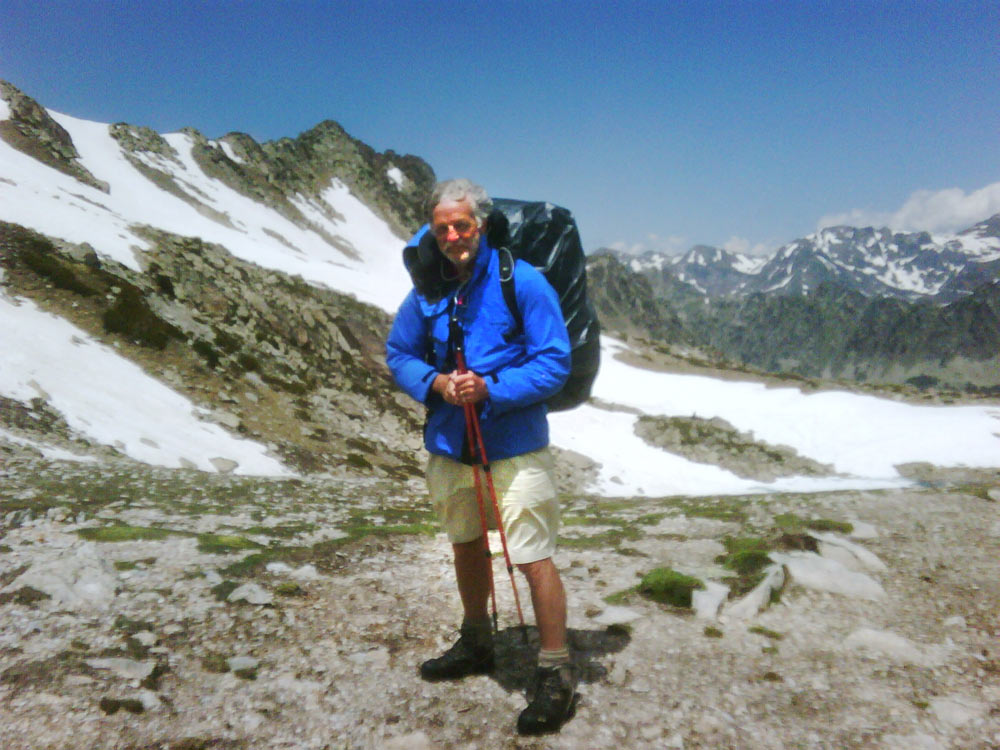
845 302
873 262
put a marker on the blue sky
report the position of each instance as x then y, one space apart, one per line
659 124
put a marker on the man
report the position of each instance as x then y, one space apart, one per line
507 381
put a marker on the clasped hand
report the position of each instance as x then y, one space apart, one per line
461 389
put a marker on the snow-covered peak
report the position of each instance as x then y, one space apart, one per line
342 245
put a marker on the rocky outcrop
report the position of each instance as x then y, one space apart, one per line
31 130
715 441
626 304
281 361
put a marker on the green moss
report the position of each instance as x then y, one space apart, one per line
357 461
669 586
221 544
123 533
215 662
282 531
221 591
825 524
289 588
792 524
745 555
130 626
126 565
766 632
621 597
712 632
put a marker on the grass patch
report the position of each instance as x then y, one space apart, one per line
668 586
621 597
222 544
123 533
744 555
215 662
766 632
605 539
792 524
712 632
221 591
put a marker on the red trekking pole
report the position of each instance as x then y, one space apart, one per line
478 450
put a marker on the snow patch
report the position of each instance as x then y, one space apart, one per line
396 175
111 400
227 149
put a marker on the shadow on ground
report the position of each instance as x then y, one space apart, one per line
517 649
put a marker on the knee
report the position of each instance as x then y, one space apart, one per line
533 570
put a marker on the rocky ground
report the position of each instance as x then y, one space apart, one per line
149 608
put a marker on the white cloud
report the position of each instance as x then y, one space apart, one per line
948 210
742 245
672 245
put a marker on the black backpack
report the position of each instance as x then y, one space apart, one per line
545 236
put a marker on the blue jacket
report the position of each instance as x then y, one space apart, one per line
519 374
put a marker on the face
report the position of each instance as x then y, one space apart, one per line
457 232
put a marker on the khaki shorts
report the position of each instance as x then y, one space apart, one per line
526 493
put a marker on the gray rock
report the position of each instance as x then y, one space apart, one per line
616 616
252 593
76 578
707 601
760 597
128 669
957 710
145 638
413 741
821 574
223 465
851 555
895 647
242 663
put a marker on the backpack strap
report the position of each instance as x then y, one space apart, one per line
510 292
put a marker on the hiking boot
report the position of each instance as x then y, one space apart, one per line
553 701
467 656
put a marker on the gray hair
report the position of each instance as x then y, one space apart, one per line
459 190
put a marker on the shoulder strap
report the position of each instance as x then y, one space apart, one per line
509 291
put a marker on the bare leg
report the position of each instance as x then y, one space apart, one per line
549 600
472 572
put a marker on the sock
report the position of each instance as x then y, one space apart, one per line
554 658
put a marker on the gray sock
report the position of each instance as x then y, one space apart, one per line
554 658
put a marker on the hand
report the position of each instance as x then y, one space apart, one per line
461 389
